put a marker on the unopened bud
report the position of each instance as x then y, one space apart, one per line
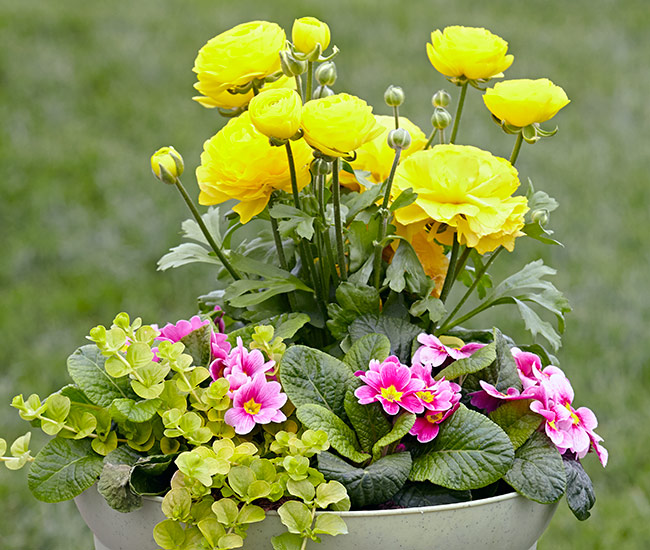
399 139
291 66
540 216
394 96
441 98
322 91
530 135
320 167
167 164
326 73
441 118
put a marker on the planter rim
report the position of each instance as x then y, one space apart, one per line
406 511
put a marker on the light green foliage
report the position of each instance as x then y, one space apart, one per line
20 454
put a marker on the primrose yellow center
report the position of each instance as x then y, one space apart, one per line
433 418
252 407
426 396
391 394
574 416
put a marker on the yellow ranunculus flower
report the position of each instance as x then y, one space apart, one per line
276 113
238 56
226 100
474 53
167 164
377 157
466 188
523 102
307 32
339 124
239 163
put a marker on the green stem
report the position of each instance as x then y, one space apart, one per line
459 111
442 136
396 117
130 367
320 183
462 261
515 149
430 140
281 256
299 87
310 80
446 324
338 226
451 270
381 233
217 249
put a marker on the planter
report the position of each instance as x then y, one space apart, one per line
506 522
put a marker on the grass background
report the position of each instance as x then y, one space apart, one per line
89 89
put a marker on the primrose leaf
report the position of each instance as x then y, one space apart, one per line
114 486
400 333
353 300
416 494
517 420
368 421
479 360
580 494
402 426
370 346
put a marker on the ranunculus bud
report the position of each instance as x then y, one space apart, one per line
399 139
167 164
291 66
320 167
326 73
441 98
308 33
540 216
441 118
394 96
276 113
322 91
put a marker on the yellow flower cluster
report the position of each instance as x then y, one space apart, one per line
239 163
467 189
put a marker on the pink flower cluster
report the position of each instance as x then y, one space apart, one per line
568 428
413 389
255 398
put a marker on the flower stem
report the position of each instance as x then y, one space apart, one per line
515 149
381 233
208 236
283 260
299 87
320 183
338 226
459 111
451 270
310 80
430 140
396 117
446 324
442 136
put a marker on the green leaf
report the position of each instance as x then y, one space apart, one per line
537 232
267 270
169 534
432 305
330 493
177 504
415 494
536 325
339 434
400 333
370 346
405 271
285 326
113 485
330 524
537 471
539 200
135 411
287 541
303 489
479 360
353 300
402 426
368 421
580 494
63 469
226 511
240 478
469 452
312 376
150 475
517 420
211 529
502 373
295 516
248 292
356 202
86 368
368 486
294 220
406 197
230 540
184 254
197 344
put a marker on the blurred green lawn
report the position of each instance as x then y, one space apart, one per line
89 89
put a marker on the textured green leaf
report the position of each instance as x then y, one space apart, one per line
197 344
368 486
150 475
415 494
86 368
537 471
368 421
502 373
330 524
63 469
285 326
186 253
400 333
517 420
339 434
114 486
580 494
405 271
353 300
401 427
361 236
135 411
469 452
536 325
434 306
370 346
312 376
479 360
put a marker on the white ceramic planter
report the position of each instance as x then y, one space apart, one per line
506 522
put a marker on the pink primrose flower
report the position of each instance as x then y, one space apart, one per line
391 384
256 402
426 427
242 365
220 349
433 353
175 333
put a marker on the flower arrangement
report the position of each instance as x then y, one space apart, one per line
333 348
